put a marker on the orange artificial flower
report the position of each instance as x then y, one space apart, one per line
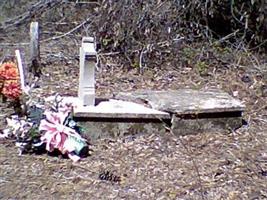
9 79
11 89
9 71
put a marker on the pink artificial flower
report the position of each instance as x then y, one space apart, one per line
56 133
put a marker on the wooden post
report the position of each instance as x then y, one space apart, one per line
34 49
21 71
86 91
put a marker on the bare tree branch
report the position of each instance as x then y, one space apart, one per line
36 9
69 32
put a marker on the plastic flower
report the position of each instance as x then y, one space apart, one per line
9 77
11 89
59 136
9 71
17 127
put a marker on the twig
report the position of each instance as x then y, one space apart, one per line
260 119
233 14
55 32
141 58
67 33
14 44
58 55
37 8
261 44
110 53
227 36
85 2
138 50
59 23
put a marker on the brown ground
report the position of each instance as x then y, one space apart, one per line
225 165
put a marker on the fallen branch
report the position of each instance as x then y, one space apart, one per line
67 33
14 44
36 9
89 2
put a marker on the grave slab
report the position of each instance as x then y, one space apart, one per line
116 118
193 111
184 111
185 101
119 109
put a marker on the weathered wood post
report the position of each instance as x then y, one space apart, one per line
86 92
34 49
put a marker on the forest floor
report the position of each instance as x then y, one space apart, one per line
220 165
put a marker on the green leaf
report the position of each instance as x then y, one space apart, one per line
35 114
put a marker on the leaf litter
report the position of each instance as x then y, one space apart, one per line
219 165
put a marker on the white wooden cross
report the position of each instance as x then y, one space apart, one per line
86 92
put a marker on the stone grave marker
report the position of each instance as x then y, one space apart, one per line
109 118
86 91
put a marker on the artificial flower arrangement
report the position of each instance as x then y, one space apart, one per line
40 128
9 80
48 128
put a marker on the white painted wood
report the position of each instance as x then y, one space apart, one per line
21 71
86 92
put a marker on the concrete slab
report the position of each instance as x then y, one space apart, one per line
114 128
185 111
193 111
119 109
186 101
116 118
